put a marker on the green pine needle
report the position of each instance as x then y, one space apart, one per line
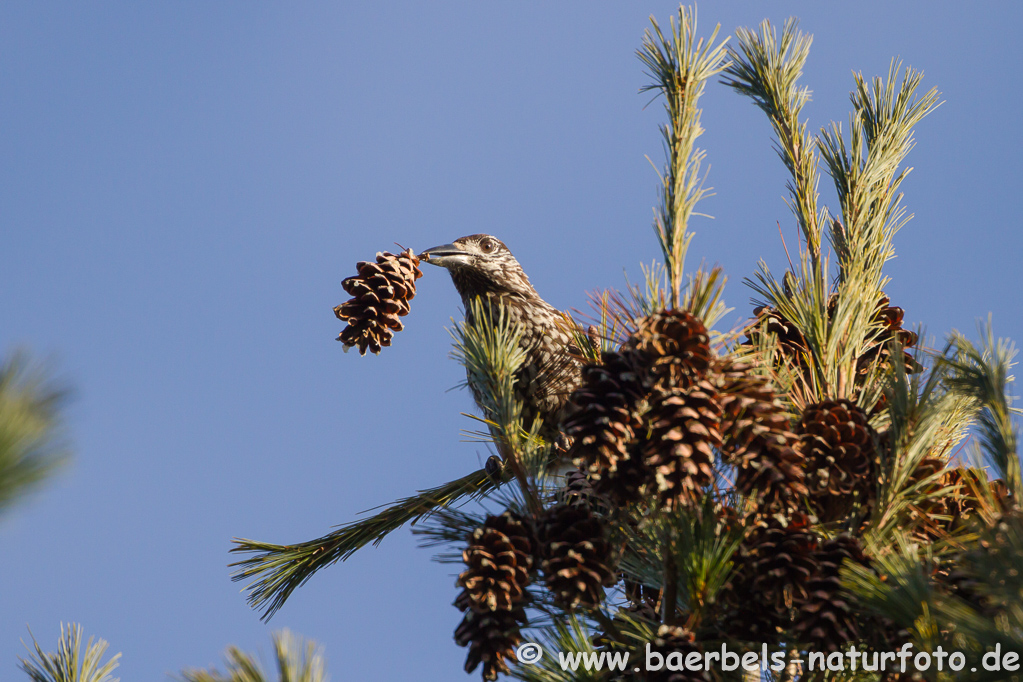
278 570
984 374
297 659
767 70
32 442
680 65
69 663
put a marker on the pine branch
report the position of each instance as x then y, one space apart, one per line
69 663
984 374
703 296
925 420
492 352
278 570
767 71
680 66
32 443
297 659
866 169
566 635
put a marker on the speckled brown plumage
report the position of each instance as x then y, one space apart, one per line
482 267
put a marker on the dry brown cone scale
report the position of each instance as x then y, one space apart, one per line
577 558
499 559
841 461
380 296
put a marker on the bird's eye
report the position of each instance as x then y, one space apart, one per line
488 245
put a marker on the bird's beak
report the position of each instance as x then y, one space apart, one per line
445 256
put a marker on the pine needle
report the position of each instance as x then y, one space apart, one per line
278 570
69 663
680 65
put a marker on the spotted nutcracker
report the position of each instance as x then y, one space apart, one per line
481 266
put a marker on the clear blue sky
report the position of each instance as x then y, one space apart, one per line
183 186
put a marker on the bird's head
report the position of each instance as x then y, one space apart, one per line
480 264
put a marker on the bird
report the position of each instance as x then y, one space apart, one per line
482 267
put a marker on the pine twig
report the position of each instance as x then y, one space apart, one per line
680 66
767 70
278 570
297 660
69 663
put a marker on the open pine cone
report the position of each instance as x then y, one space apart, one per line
841 465
381 294
500 564
673 347
577 559
492 638
826 620
758 441
684 428
774 566
602 423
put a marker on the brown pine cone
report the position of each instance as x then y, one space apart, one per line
602 422
925 515
890 317
381 294
683 431
772 573
492 638
500 564
577 560
674 348
758 441
576 489
841 462
769 320
826 620
794 346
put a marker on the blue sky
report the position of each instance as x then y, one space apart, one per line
184 185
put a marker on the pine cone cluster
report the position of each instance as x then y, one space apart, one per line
577 561
499 557
380 296
841 461
648 419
